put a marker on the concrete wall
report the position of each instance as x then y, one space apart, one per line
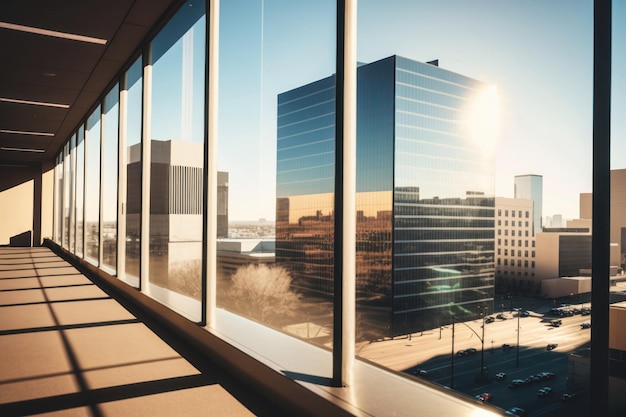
561 287
547 255
617 320
21 205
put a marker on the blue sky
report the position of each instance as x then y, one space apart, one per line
539 55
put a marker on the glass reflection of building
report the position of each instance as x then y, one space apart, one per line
425 186
175 203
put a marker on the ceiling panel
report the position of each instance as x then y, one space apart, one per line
50 69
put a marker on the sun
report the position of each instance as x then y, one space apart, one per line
482 119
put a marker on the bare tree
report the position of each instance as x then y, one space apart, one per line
263 292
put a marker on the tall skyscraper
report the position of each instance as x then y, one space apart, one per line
531 187
425 186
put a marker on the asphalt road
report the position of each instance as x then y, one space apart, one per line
432 352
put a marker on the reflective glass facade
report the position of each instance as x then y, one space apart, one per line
531 188
305 186
425 187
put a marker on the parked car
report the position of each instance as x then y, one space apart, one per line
556 323
524 313
489 319
501 316
533 378
461 353
516 411
506 346
546 375
567 397
484 397
585 325
500 376
544 392
551 346
471 351
516 383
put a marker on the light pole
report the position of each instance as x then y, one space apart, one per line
482 342
517 356
452 357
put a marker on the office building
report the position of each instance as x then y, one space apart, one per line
531 188
563 252
425 185
618 215
514 244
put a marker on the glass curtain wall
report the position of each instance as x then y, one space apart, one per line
177 139
446 124
80 190
67 195
92 188
110 119
72 232
453 285
276 157
58 198
131 161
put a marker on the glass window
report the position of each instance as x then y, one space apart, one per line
58 199
72 186
484 70
92 188
275 241
131 160
80 190
110 118
67 195
177 131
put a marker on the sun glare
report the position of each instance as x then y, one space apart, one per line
483 119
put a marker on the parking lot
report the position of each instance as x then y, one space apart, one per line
430 355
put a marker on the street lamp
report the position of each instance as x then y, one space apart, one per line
482 341
517 356
452 357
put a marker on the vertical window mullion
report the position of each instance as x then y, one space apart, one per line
209 188
344 327
122 186
146 160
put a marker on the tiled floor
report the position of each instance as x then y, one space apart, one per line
69 349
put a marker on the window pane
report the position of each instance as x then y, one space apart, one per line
109 180
463 117
67 195
617 346
276 155
176 168
72 224
80 189
92 188
134 94
58 198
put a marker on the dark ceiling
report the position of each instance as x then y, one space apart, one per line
51 69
